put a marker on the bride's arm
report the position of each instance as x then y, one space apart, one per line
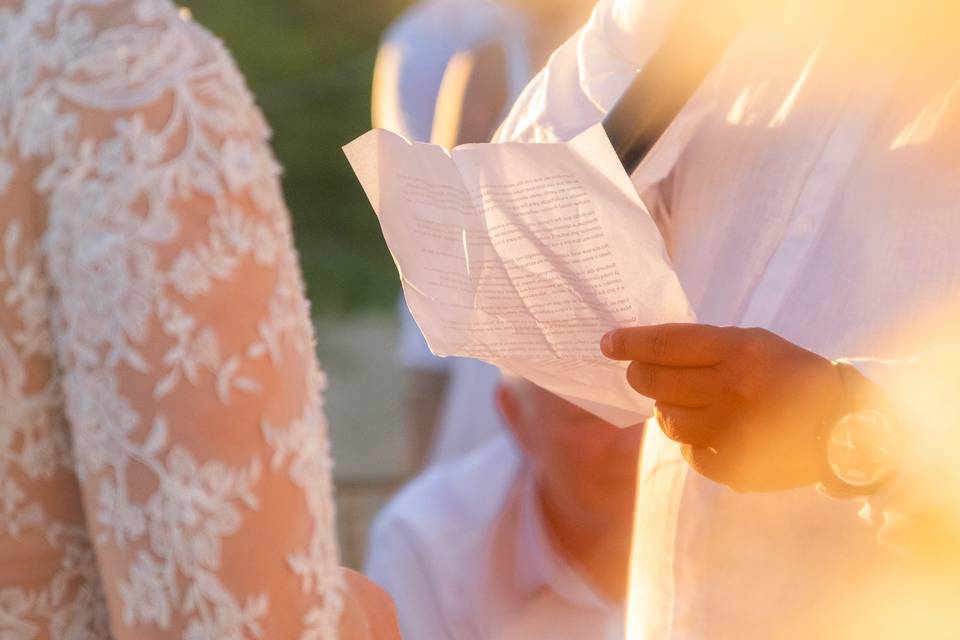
184 337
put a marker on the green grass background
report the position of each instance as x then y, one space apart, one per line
310 64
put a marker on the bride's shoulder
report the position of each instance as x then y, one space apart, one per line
81 69
106 51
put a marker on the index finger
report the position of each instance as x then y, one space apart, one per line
671 345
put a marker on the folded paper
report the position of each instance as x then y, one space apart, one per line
523 255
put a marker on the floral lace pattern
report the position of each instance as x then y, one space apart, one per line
164 467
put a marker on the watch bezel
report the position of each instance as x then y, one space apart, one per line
860 396
892 439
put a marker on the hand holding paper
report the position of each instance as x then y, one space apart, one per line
524 255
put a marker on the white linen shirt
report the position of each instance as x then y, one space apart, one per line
803 190
463 552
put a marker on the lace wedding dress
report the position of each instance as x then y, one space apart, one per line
164 467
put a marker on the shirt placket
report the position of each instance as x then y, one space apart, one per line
811 212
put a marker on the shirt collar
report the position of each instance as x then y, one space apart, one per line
539 563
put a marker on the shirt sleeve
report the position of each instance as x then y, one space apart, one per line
586 76
920 509
183 336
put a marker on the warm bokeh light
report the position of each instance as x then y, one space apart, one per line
916 594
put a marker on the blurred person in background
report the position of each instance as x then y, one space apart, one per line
164 463
526 537
808 193
447 71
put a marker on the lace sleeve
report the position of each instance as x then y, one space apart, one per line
182 332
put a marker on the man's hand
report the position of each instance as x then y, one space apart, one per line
745 403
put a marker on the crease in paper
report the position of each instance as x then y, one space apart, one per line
524 255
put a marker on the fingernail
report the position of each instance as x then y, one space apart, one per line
606 344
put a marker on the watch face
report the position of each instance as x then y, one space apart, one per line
865 448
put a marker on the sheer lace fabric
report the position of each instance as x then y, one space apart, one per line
156 354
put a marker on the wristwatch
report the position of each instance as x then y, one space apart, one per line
862 445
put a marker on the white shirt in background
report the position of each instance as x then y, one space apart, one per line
469 416
424 40
463 553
